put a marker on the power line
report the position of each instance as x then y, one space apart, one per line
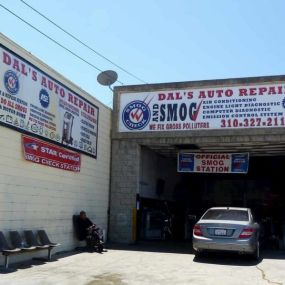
84 44
54 41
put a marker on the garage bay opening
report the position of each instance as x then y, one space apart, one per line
171 202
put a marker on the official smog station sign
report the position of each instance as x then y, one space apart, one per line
239 107
32 102
213 162
40 152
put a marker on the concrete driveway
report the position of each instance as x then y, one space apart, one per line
150 264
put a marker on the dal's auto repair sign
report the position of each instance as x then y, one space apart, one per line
34 103
232 107
40 152
213 162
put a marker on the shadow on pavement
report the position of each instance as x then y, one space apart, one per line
155 246
37 261
273 254
20 265
237 259
211 257
7 270
159 247
232 259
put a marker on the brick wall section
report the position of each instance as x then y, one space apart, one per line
125 181
36 197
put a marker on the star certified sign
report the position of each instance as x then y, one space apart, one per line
44 153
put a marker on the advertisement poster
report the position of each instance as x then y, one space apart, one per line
34 103
44 153
213 162
232 107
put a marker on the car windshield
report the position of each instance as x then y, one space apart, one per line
220 214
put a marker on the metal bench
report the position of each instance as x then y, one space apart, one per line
45 241
18 242
7 250
33 242
20 246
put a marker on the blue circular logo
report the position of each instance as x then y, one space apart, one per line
44 98
11 82
136 115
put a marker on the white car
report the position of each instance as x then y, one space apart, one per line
227 229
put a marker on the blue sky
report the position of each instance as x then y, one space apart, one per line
158 41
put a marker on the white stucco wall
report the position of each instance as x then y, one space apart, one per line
34 196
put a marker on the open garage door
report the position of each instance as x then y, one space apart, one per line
172 200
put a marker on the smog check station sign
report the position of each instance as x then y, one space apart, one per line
225 107
41 152
213 162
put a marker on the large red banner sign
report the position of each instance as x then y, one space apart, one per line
40 152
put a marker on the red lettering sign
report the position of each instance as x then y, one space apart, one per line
44 153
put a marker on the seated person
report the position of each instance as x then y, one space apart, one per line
83 224
88 231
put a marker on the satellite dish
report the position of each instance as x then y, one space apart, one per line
107 77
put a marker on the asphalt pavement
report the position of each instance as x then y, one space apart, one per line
151 263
